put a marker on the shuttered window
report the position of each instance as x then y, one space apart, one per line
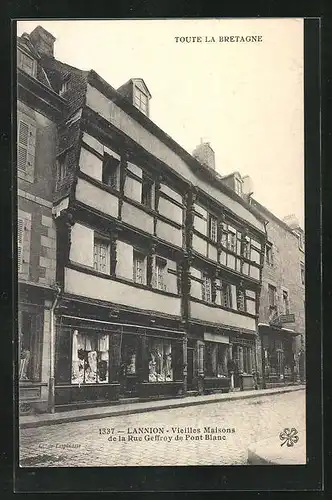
20 230
26 147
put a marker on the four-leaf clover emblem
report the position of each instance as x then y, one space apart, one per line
289 436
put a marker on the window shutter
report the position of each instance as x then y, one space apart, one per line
26 147
20 229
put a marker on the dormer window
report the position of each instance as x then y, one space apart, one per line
238 186
26 63
141 101
65 86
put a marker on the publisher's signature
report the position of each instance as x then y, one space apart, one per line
289 436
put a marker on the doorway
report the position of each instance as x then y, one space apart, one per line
190 368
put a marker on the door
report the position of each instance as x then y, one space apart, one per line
190 368
129 366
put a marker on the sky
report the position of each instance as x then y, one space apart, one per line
246 99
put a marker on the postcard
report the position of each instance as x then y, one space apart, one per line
161 243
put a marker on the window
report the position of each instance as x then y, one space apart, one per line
141 101
30 327
139 268
20 234
302 270
240 300
272 296
147 187
215 359
238 186
206 289
301 241
26 146
269 254
90 358
160 355
27 63
111 169
231 241
61 168
129 355
226 296
101 261
285 301
160 273
65 86
247 359
213 225
246 247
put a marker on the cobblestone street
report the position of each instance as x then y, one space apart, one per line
83 444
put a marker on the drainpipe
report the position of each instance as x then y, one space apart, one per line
51 385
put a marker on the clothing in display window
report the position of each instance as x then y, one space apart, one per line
216 359
160 360
90 358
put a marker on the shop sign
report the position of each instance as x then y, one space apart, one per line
282 319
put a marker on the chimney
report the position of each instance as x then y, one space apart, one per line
292 221
205 154
247 186
43 41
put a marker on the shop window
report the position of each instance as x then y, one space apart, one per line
30 329
147 191
302 270
101 255
111 171
247 359
160 360
285 301
213 228
139 268
26 63
206 288
215 359
226 295
160 273
129 355
90 358
269 254
240 300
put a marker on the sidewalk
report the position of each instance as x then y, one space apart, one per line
116 410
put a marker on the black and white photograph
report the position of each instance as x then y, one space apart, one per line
160 242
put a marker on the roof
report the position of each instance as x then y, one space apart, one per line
139 82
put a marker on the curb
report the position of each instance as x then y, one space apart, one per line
166 406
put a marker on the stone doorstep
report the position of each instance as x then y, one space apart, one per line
142 407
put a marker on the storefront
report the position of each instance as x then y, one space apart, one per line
208 352
243 363
98 362
33 348
278 356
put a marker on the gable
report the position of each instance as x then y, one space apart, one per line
139 82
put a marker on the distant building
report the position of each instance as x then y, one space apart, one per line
281 353
159 262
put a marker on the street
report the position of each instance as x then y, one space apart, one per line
211 434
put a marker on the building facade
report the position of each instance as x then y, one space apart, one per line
158 261
282 304
39 110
